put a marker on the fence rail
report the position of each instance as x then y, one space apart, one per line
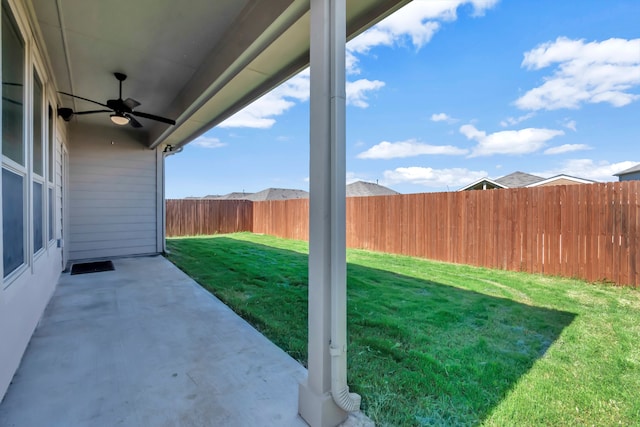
586 231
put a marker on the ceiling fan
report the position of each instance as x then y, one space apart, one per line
122 110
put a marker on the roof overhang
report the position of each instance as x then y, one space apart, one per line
197 63
634 169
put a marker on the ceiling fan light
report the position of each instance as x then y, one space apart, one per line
119 119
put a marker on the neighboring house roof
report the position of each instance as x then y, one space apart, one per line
278 194
521 179
518 179
633 169
568 179
235 196
266 194
482 184
363 189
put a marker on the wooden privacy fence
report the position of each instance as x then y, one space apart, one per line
585 231
193 217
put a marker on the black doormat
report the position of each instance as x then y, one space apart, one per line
92 267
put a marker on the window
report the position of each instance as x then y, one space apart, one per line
12 89
50 213
38 232
12 221
50 124
14 172
50 174
37 162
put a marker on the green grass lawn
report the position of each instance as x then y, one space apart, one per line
442 344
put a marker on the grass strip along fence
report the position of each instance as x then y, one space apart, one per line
432 343
589 231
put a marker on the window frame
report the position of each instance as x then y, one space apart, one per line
11 165
51 171
36 178
33 67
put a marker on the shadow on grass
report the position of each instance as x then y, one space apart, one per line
421 352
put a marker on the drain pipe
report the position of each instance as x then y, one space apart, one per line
350 402
335 28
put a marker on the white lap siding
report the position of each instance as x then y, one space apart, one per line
112 193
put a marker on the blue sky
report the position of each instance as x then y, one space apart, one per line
445 92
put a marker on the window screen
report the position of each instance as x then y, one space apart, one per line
12 221
51 214
51 145
38 231
38 164
12 88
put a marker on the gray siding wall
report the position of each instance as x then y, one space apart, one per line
112 193
630 176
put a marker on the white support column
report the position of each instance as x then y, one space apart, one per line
327 212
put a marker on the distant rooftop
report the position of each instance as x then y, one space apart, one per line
518 179
278 194
633 169
356 189
266 194
232 196
363 189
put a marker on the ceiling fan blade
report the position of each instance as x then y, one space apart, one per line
84 99
133 122
154 117
131 103
92 112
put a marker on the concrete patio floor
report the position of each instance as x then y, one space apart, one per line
144 345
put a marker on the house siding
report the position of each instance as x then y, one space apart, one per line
113 186
560 181
629 176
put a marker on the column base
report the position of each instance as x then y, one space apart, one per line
319 410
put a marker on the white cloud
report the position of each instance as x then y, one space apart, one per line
566 148
591 72
436 178
418 21
260 114
590 169
409 148
357 91
512 121
443 117
570 124
208 142
521 141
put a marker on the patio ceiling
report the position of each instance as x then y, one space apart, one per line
197 62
